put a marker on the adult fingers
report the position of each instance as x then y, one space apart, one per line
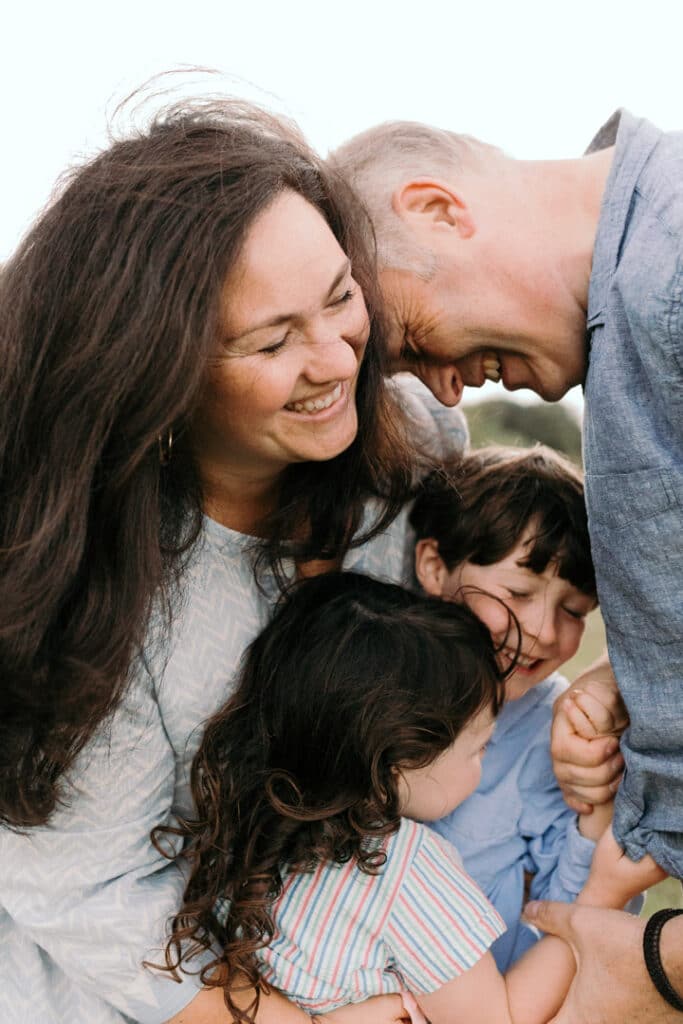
553 918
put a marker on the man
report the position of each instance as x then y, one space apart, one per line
548 274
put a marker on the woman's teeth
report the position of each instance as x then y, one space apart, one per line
491 365
317 404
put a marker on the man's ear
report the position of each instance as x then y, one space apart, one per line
430 569
433 203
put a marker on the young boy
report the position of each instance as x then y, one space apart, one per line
505 530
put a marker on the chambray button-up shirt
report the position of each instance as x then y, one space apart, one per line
633 453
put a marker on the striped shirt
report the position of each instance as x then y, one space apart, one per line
343 936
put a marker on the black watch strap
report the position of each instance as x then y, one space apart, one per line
653 961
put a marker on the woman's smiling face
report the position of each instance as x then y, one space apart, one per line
282 386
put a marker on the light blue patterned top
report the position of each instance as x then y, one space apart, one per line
85 900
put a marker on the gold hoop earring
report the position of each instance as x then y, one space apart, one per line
165 447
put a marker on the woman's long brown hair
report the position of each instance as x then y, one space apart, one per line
109 314
352 680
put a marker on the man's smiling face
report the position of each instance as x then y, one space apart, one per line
452 337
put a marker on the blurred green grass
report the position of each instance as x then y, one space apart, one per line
591 647
668 893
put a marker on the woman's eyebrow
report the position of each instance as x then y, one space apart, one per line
284 318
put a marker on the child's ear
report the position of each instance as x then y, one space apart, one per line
430 569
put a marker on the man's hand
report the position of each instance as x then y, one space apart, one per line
611 985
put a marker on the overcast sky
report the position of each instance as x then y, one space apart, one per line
537 77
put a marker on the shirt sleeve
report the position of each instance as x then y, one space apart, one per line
441 923
89 888
558 856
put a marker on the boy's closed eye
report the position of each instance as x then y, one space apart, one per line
576 613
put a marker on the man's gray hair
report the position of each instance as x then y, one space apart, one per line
378 160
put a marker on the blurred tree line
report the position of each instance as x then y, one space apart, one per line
501 421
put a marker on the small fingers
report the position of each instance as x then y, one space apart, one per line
577 805
585 777
568 748
581 797
576 777
606 694
588 709
579 719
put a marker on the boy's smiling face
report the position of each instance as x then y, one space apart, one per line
551 612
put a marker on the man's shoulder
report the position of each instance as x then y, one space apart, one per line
652 247
660 182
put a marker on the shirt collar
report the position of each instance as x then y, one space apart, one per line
634 139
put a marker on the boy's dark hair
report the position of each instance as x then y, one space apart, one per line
352 679
478 507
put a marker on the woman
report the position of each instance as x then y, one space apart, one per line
188 364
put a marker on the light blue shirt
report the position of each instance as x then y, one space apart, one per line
633 455
85 899
517 821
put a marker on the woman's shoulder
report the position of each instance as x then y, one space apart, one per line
220 609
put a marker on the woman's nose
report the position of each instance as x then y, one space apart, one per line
330 357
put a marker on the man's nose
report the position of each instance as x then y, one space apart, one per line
444 381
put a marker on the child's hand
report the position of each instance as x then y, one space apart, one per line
595 708
584 745
614 879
